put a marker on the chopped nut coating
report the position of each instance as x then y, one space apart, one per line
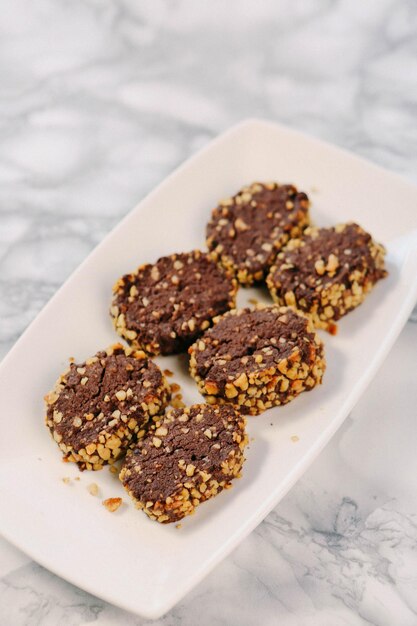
97 422
327 272
257 358
170 479
172 303
247 231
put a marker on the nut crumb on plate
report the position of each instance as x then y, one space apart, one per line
177 402
93 489
112 504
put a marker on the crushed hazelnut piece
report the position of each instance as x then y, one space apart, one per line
211 387
112 504
190 469
93 489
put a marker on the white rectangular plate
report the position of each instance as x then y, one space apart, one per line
123 557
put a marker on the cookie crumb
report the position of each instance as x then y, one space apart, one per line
294 438
253 301
93 489
66 480
178 525
332 328
177 402
175 387
168 373
113 469
112 504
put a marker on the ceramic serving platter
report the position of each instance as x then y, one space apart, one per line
123 557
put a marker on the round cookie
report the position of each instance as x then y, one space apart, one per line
327 272
190 457
247 231
257 358
98 409
163 308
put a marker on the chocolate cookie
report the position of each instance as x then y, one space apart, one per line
257 358
190 457
100 408
163 308
247 231
327 272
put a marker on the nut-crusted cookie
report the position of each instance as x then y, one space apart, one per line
327 272
257 358
247 231
190 457
98 409
162 308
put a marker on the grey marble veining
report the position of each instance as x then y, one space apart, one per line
98 102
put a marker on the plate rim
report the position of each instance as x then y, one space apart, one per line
157 610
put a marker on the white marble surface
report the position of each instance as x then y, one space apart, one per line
98 102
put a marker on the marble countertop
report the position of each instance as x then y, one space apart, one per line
98 102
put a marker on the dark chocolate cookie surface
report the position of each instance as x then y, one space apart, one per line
99 408
162 308
192 455
327 272
257 358
247 231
